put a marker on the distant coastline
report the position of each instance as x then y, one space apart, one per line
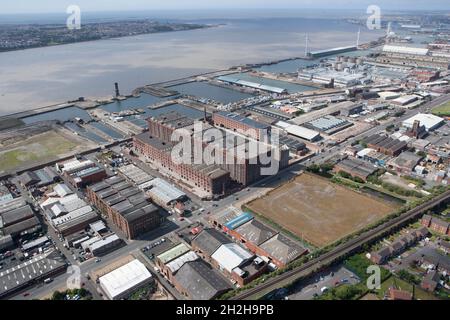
23 36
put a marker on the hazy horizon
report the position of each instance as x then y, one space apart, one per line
101 6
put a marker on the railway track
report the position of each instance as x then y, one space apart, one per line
341 250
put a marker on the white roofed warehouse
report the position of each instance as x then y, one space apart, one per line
429 121
124 281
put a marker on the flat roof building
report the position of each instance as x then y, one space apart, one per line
124 281
429 121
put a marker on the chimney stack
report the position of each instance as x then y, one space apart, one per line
116 86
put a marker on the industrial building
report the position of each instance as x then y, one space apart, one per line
124 281
237 263
241 124
81 173
163 193
429 121
332 51
328 124
39 178
209 178
105 245
263 240
386 145
212 179
136 175
299 131
74 221
253 85
196 280
17 219
412 57
207 242
356 168
405 162
36 269
126 205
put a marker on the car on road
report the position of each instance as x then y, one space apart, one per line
97 260
26 294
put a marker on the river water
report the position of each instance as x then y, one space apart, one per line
39 77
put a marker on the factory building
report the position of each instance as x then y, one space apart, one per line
36 269
213 179
126 205
412 57
252 84
429 121
386 145
17 218
329 52
210 178
164 125
196 280
241 124
328 124
356 168
124 281
80 173
237 263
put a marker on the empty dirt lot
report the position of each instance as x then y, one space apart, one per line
319 211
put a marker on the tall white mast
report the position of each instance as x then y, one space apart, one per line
357 38
306 45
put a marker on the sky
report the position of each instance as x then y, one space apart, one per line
56 6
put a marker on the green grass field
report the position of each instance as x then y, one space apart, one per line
36 149
442 110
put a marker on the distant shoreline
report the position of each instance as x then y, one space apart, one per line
176 27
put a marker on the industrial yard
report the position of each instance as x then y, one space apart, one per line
318 211
38 148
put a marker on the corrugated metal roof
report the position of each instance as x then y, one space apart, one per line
125 278
230 256
238 221
164 191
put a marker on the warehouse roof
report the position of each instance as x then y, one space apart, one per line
230 256
62 190
22 226
201 281
239 220
405 50
239 118
125 278
173 253
255 232
177 263
209 240
165 192
15 215
27 272
302 132
283 249
428 120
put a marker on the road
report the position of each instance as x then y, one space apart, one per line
340 251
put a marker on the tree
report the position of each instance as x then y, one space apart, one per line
58 295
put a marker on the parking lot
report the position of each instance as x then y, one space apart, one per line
313 287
